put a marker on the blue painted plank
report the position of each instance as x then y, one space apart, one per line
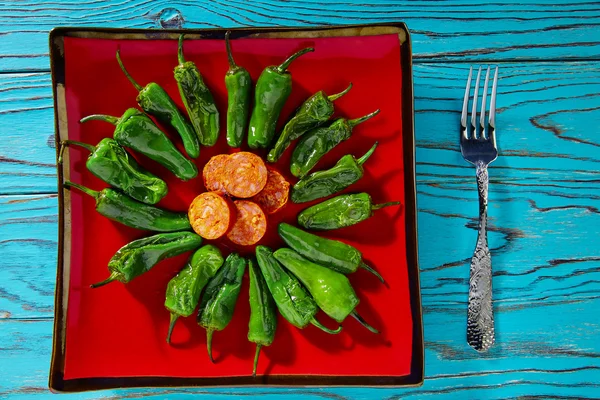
456 30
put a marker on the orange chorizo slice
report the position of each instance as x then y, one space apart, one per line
250 225
214 172
275 193
211 215
245 175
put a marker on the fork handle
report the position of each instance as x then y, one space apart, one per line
480 315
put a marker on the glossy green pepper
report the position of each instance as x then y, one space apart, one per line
115 166
317 185
263 314
272 90
331 290
333 254
197 98
312 113
239 85
183 291
137 131
155 101
291 298
340 211
122 208
139 256
220 296
319 141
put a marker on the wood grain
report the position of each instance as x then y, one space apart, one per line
455 30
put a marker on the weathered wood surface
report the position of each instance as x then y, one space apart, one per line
544 194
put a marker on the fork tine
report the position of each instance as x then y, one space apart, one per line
492 125
463 117
474 110
483 101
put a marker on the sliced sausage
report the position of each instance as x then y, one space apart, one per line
211 215
245 175
275 193
214 172
250 225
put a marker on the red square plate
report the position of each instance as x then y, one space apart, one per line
114 336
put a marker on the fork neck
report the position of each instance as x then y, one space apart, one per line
482 188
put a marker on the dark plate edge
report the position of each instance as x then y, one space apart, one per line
57 383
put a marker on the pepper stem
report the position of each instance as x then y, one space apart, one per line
232 64
368 154
383 205
284 65
324 328
258 346
86 146
113 276
209 335
84 189
336 96
371 270
63 145
180 57
100 117
363 322
354 122
171 326
133 82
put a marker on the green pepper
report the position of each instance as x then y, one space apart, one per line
238 84
263 314
137 131
331 290
183 291
122 208
333 254
340 211
139 256
319 141
197 98
220 296
273 88
155 101
115 166
292 300
312 113
346 171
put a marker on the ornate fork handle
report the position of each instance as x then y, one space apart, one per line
480 316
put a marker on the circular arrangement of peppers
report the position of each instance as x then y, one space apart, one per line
297 281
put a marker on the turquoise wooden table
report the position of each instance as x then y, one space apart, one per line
544 193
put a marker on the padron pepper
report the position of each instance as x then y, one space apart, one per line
219 298
122 208
115 166
137 131
239 85
183 291
291 298
263 313
319 141
155 101
312 113
139 256
197 98
341 211
273 88
331 290
333 254
344 173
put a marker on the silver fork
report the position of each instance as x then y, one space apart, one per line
480 150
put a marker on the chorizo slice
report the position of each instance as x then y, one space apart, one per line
211 215
214 173
250 225
245 175
275 193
